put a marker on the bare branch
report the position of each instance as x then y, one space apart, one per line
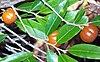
9 3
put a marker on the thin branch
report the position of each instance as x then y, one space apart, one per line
38 58
64 51
78 25
36 14
41 56
9 49
5 54
13 48
23 23
2 25
16 43
26 30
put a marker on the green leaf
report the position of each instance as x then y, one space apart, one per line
54 21
33 27
96 21
32 24
31 6
70 16
85 51
79 15
2 37
83 20
17 57
51 56
70 2
66 33
26 15
76 16
46 17
65 58
30 59
46 10
41 21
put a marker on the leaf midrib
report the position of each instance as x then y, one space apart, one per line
84 51
95 21
64 35
35 5
52 25
62 58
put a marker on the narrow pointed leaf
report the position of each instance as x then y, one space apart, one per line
2 37
41 21
54 21
72 2
76 16
26 15
51 56
85 51
79 15
96 21
65 58
46 10
83 20
31 6
70 16
33 27
30 59
66 33
17 57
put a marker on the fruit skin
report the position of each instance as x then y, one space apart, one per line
52 38
89 33
9 16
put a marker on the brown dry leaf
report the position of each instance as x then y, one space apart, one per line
75 6
8 3
94 2
39 43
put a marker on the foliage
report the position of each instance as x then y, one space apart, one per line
17 57
65 58
85 51
47 23
51 56
96 21
2 37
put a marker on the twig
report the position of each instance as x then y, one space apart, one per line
9 49
41 56
5 54
2 25
13 48
23 23
38 58
29 12
25 28
16 43
64 51
78 25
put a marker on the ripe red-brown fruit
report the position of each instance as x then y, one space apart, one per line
9 16
89 33
52 38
